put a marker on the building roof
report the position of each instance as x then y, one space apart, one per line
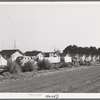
32 53
46 54
10 52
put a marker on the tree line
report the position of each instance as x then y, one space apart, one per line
74 49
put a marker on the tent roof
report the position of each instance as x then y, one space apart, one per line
10 52
32 53
46 54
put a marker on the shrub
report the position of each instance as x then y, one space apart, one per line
2 69
63 65
1 77
6 74
77 64
66 65
55 66
98 61
44 65
29 66
13 67
88 63
18 60
82 62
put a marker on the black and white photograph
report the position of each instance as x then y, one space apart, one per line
49 47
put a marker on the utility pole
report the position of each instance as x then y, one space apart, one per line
15 44
54 48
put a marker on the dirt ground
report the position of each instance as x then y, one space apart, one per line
75 80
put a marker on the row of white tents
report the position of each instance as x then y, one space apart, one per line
3 62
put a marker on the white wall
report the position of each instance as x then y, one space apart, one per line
15 55
68 59
53 59
82 58
88 58
2 61
40 56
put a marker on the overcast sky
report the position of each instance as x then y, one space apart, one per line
43 26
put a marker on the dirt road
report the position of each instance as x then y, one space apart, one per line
73 81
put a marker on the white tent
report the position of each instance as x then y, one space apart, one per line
2 61
68 58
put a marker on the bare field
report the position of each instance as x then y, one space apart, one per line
75 80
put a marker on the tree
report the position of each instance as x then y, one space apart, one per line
98 51
86 51
70 49
93 51
75 49
80 50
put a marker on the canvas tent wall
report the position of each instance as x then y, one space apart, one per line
67 58
2 61
53 59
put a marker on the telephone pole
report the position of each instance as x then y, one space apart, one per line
15 44
54 48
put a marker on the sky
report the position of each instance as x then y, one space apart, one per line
43 26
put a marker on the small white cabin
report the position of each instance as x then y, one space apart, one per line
13 54
31 55
67 58
88 58
52 57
